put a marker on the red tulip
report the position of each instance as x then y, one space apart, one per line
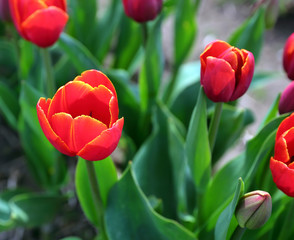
288 57
82 117
286 103
281 165
39 21
142 10
226 71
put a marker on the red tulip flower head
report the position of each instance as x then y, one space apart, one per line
82 117
39 21
142 10
226 71
286 103
281 165
288 57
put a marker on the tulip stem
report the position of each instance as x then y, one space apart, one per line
238 233
96 198
145 33
213 127
50 83
288 222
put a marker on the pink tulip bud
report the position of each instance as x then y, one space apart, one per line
286 103
254 209
142 10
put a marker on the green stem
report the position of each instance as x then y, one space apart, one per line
50 83
144 33
214 124
170 87
288 222
96 198
238 233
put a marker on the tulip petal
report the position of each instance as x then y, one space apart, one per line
289 138
113 105
54 139
283 176
218 80
285 125
57 3
214 49
286 103
44 26
95 78
102 146
288 57
281 151
246 76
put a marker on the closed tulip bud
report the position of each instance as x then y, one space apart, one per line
226 71
254 209
142 10
271 13
286 103
40 22
4 10
288 57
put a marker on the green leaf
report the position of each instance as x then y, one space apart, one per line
249 35
128 44
151 72
44 161
80 56
106 177
272 112
152 165
27 57
71 238
224 220
185 30
197 145
9 107
129 215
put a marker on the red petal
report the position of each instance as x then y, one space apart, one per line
286 103
281 151
42 107
285 125
247 71
102 146
44 26
96 78
214 49
289 138
113 105
218 80
57 3
283 176
288 57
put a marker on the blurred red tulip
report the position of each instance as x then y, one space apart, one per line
39 21
281 165
142 10
226 71
288 57
286 103
82 117
4 10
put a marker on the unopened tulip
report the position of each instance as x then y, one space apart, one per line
254 209
142 10
286 103
281 165
226 71
82 117
288 57
39 21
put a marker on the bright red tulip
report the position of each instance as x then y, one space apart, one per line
288 57
286 103
82 117
281 165
226 71
142 10
39 21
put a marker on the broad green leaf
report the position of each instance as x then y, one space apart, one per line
27 57
152 164
128 44
71 238
226 138
185 30
106 177
44 161
106 27
129 215
225 218
261 79
8 58
80 56
272 112
9 107
151 72
197 145
249 35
